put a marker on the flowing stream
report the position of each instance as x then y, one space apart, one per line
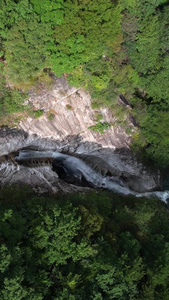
75 167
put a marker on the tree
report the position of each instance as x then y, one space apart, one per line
26 44
49 11
85 246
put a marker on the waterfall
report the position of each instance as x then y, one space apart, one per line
76 167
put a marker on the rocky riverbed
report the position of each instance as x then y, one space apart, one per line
68 132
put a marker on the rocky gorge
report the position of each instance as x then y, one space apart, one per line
68 132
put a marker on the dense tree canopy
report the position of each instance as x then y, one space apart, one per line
108 47
95 246
11 100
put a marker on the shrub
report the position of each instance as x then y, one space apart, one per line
100 127
38 113
51 116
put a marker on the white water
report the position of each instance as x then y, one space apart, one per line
74 165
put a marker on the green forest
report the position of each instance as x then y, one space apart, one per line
98 245
83 246
108 47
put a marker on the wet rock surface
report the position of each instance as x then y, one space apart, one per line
119 164
42 179
108 154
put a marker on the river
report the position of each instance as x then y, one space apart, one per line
73 167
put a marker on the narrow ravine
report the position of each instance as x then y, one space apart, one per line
74 170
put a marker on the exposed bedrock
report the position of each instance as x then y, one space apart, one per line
72 115
68 132
120 164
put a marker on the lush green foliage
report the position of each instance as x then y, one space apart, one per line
146 40
30 44
100 127
38 113
11 100
108 47
96 246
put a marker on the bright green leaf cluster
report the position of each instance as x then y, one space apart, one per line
82 247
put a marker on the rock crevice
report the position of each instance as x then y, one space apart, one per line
68 132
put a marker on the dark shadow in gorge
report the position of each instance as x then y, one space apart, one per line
65 173
106 161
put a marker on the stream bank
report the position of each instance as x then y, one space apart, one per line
68 132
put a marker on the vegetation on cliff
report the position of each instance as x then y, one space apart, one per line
108 47
94 246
